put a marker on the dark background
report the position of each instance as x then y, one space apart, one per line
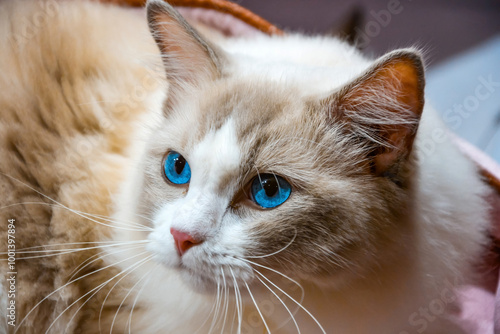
442 28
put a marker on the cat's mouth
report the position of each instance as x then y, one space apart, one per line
208 272
203 267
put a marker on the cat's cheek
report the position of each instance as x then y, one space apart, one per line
165 215
161 246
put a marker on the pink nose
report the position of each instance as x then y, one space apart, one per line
183 241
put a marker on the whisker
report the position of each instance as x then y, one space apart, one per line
124 222
99 101
128 293
79 268
83 214
62 252
129 223
279 273
106 298
62 205
137 298
144 217
206 319
233 319
65 285
279 251
100 258
292 316
99 288
296 302
217 305
83 249
141 228
66 244
238 300
226 302
257 307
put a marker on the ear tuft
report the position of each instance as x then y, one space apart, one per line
187 56
384 106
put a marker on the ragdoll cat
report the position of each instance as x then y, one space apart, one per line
272 184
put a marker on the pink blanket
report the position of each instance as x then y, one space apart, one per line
480 304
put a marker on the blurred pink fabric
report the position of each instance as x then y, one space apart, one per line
478 310
480 306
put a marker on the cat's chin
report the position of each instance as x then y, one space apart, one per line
198 283
210 281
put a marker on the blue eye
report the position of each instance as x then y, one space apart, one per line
176 168
270 191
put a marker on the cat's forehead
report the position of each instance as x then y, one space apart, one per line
245 126
256 107
267 117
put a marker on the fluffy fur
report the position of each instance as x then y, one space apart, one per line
381 220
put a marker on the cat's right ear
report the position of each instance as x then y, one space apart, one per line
187 56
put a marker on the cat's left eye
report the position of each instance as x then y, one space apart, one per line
176 168
270 190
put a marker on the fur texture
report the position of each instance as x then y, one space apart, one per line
385 213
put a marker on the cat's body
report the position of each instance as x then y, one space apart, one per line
373 240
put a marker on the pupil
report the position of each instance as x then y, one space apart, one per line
270 187
179 164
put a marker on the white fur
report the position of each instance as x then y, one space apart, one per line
201 210
317 64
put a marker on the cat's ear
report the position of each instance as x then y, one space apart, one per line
187 56
384 106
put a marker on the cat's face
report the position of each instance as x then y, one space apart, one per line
245 171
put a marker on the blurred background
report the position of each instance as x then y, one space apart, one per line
461 39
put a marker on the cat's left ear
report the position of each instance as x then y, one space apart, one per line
384 106
187 56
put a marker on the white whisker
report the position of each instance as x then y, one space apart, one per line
226 301
60 253
100 258
238 300
296 302
206 319
67 308
67 244
216 312
83 249
279 251
65 285
283 303
279 273
65 207
137 298
257 307
99 287
125 223
130 224
128 293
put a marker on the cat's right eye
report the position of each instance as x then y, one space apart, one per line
176 168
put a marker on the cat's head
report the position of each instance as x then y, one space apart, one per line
249 167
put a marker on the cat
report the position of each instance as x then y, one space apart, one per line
275 184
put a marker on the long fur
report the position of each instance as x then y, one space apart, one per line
90 106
